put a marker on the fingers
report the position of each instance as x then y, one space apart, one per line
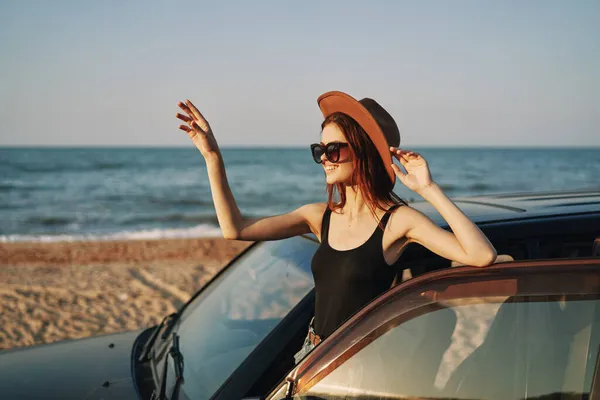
399 173
397 152
400 155
185 108
190 123
188 130
184 118
198 117
194 118
191 110
407 157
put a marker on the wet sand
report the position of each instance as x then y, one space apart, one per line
67 290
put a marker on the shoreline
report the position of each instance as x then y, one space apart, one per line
51 291
123 251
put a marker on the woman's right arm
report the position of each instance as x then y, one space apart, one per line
303 220
234 226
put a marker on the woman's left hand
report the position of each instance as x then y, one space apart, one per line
417 176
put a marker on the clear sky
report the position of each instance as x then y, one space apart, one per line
452 73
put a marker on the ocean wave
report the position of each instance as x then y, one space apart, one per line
153 200
448 187
93 166
203 230
172 218
106 165
180 202
480 186
50 221
45 168
20 185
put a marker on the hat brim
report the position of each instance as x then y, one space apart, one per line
332 102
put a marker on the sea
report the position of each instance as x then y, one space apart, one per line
70 194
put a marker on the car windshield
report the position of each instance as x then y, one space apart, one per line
220 328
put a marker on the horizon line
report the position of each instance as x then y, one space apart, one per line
290 147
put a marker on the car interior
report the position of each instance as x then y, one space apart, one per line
489 370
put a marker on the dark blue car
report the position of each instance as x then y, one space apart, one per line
527 327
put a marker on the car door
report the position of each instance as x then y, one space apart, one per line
510 331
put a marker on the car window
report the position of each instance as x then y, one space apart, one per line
487 346
567 246
226 322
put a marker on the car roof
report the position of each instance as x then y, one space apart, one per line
515 206
504 207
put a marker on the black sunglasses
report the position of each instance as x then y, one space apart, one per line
331 151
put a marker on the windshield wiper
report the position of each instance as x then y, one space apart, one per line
168 322
178 366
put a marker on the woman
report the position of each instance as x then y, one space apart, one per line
363 227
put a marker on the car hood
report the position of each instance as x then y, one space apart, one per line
92 368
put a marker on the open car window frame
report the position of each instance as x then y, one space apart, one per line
506 279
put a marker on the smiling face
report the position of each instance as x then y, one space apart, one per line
340 171
359 166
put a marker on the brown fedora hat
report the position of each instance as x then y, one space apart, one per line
374 119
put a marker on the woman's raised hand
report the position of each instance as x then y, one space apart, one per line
417 176
198 129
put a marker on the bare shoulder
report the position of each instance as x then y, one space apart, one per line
406 211
313 211
403 219
313 214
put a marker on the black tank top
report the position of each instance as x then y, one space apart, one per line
346 280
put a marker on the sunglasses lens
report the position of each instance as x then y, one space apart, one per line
317 152
333 152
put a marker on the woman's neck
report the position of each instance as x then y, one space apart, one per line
356 205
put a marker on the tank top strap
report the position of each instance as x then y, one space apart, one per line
325 225
388 213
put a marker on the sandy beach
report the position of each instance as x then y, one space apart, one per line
67 290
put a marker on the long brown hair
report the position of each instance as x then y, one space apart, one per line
369 173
